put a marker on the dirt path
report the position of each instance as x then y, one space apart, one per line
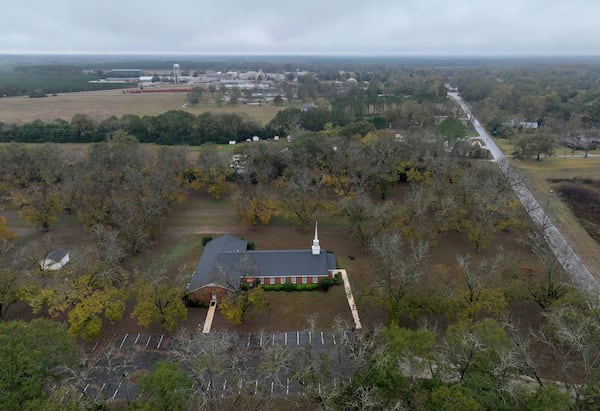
565 254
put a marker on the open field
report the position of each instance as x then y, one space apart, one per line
103 104
539 174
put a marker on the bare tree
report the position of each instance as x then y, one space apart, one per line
300 197
216 363
572 335
477 296
398 269
524 356
554 285
366 219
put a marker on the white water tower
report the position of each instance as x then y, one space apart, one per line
176 73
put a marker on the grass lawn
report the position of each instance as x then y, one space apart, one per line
505 145
290 311
172 256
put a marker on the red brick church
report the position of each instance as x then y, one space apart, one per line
226 263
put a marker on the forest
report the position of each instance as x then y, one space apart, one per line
443 192
494 329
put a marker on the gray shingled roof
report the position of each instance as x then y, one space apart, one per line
56 255
290 262
224 258
213 269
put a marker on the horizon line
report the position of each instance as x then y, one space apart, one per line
304 54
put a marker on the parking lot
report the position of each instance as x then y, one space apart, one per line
130 353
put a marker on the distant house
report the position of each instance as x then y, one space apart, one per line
580 142
523 125
308 106
54 260
226 263
528 125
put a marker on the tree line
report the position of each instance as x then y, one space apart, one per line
180 127
41 80
169 128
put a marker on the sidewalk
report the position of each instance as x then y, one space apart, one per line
350 297
209 317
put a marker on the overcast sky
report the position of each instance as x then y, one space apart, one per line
372 27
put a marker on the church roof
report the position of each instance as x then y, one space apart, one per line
225 260
212 268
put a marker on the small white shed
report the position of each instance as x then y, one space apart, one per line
55 260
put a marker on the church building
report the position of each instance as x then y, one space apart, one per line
226 263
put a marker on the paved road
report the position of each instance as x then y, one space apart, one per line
565 254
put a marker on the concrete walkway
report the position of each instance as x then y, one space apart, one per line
209 317
563 251
350 297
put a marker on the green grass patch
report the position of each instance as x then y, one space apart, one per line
173 256
505 145
291 311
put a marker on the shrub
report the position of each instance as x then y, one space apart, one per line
206 239
325 283
251 245
290 287
337 279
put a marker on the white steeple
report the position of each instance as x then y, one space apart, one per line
316 248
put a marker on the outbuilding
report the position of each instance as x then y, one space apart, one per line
55 260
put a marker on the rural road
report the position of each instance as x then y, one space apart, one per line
573 265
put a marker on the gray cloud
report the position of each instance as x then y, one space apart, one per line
310 26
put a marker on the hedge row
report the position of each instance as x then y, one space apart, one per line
290 287
324 284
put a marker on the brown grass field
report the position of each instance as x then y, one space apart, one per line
103 104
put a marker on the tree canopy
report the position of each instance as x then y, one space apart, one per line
29 355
